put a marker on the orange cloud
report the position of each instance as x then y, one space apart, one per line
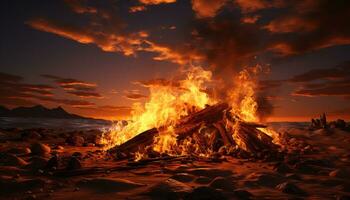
248 6
134 9
134 95
156 2
207 8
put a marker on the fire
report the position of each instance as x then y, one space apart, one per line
168 103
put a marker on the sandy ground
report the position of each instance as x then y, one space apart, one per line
316 167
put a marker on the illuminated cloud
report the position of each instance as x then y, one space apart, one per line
75 87
207 8
249 6
134 9
134 95
156 2
15 93
324 82
250 19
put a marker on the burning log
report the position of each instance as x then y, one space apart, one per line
223 128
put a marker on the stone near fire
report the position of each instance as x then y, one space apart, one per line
202 180
7 159
53 163
36 163
75 140
38 148
74 164
183 177
108 184
222 183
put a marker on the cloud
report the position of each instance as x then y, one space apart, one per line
134 95
81 7
264 85
15 93
250 6
75 87
311 25
324 82
207 8
153 82
156 2
134 9
338 72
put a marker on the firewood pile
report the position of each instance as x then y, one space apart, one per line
214 129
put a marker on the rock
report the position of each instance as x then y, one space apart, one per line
290 188
169 188
38 148
53 163
7 159
222 183
59 148
282 168
19 151
75 140
264 179
108 184
90 144
183 177
205 193
340 173
202 180
36 163
243 194
73 164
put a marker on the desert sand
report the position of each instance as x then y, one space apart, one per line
51 164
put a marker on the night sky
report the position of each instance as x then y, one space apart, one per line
91 56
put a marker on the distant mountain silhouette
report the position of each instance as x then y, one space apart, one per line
38 111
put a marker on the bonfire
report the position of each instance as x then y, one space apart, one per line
182 118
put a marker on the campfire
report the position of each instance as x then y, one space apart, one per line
182 118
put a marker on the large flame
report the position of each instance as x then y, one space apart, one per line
166 105
169 102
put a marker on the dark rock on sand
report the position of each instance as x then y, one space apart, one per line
73 164
75 140
243 194
38 148
282 168
290 188
108 184
30 135
202 180
53 163
36 163
7 159
169 189
205 193
222 183
263 179
183 177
